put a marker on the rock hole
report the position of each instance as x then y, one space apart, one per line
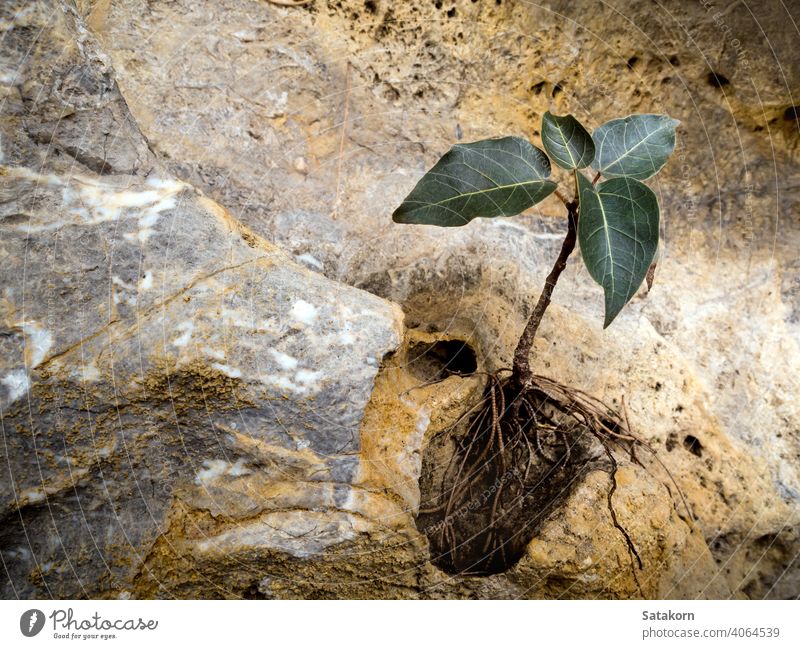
537 88
253 592
557 90
693 445
632 62
436 361
717 80
767 540
370 6
792 113
673 60
15 218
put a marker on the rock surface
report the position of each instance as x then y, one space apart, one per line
156 352
189 412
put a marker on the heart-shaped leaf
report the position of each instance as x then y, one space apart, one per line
566 141
636 146
618 234
500 177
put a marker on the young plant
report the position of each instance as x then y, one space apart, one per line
616 224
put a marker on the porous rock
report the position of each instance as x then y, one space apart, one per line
310 124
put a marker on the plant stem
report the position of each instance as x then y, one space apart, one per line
562 198
522 369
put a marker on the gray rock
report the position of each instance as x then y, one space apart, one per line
153 347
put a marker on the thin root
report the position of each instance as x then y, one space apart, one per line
508 434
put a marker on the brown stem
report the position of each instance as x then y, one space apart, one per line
562 198
522 369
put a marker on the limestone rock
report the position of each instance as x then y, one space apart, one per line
189 412
157 352
705 361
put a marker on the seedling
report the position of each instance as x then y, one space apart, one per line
616 223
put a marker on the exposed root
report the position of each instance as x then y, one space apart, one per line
522 450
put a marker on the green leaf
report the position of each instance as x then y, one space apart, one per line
566 141
636 146
618 234
500 177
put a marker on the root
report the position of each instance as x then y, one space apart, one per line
523 448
